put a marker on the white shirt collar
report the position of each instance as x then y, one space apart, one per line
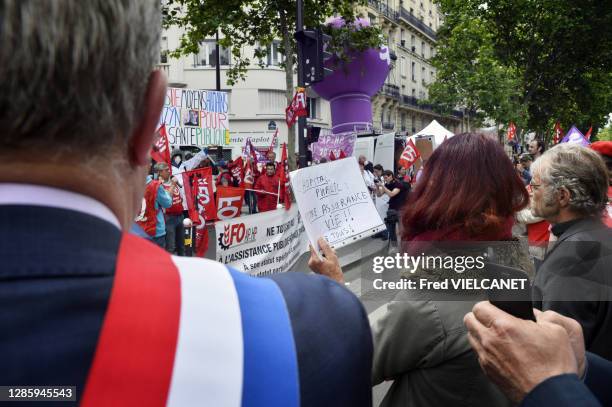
37 195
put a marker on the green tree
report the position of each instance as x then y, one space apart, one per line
468 73
550 58
247 23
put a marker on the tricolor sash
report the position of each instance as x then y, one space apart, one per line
182 331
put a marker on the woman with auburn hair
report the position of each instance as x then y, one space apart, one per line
469 192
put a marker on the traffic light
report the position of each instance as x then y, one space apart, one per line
314 54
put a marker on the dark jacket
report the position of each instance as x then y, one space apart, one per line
575 280
421 342
56 277
568 390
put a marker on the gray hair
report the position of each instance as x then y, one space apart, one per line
160 167
578 169
73 73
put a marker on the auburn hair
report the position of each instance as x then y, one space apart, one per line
468 184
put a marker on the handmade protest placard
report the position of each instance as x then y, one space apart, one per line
335 203
196 117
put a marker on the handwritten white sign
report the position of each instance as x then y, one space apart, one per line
335 203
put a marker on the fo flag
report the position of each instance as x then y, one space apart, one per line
409 155
297 107
284 179
236 167
557 133
229 202
160 152
511 131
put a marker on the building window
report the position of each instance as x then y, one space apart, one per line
412 41
207 55
413 92
402 38
312 107
423 74
412 71
423 49
272 101
403 66
271 125
275 58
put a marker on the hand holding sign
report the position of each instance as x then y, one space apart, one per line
328 265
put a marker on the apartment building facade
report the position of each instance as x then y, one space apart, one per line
410 26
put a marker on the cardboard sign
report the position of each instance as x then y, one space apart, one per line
335 203
196 117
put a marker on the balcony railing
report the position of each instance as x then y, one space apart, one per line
391 90
412 19
414 101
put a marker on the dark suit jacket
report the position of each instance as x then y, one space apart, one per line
57 274
575 280
568 390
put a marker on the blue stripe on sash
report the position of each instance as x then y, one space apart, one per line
270 360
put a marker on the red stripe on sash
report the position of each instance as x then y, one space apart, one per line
134 358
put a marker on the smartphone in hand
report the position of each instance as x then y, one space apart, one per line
516 302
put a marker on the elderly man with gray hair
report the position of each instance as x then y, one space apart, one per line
569 190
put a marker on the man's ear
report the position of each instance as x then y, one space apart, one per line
564 197
142 137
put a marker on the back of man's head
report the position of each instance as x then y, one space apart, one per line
74 73
578 169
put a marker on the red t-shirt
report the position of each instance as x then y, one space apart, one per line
267 202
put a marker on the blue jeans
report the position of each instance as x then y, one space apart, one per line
160 241
175 234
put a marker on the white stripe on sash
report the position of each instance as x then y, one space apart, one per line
208 365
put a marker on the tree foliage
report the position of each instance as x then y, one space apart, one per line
546 60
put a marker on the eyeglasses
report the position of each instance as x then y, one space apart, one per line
534 186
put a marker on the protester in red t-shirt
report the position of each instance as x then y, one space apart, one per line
268 182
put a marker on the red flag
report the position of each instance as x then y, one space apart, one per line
297 107
332 156
511 131
409 155
588 134
201 241
229 202
557 133
249 150
249 178
236 167
160 152
342 155
284 179
199 195
274 137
